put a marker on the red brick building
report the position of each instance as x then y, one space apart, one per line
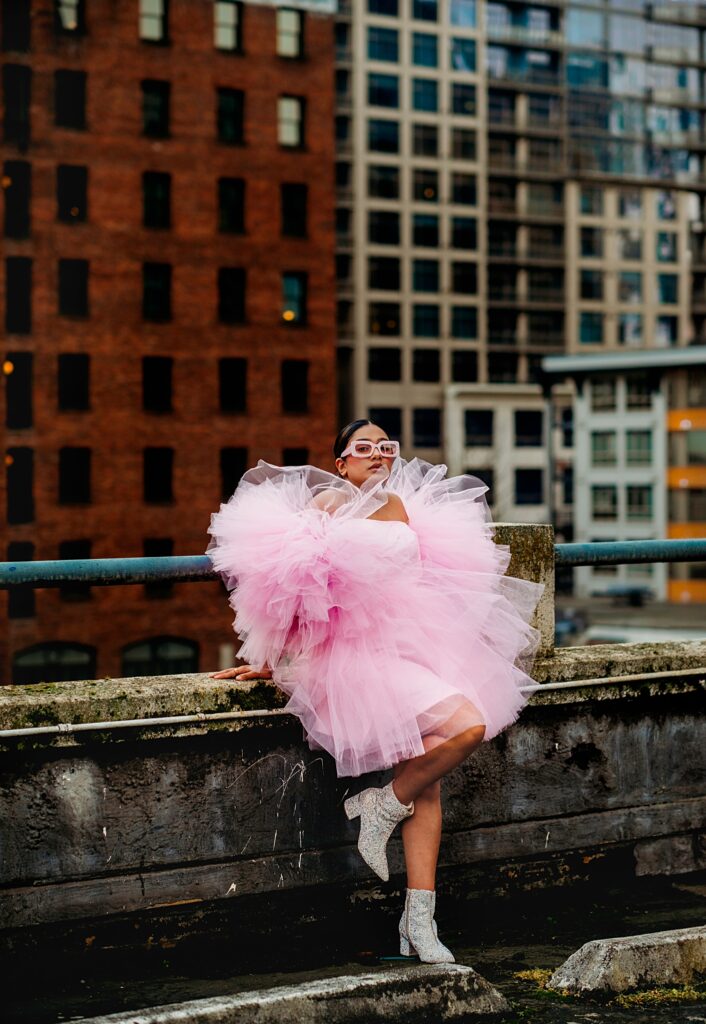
168 300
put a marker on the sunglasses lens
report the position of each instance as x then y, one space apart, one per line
388 449
363 448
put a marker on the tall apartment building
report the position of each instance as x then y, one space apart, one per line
558 208
167 298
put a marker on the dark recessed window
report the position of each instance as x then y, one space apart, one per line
290 122
234 462
159 656
425 10
384 273
487 477
156 199
74 381
383 90
70 99
383 44
70 17
464 278
384 364
502 368
464 322
158 547
464 233
389 419
154 21
464 367
426 428
384 318
425 321
156 291
388 7
157 383
294 291
156 96
384 227
73 287
231 205
383 136
425 275
72 550
425 229
18 390
231 295
20 600
290 33
157 473
295 456
294 209
71 193
426 365
463 190
17 90
230 109
383 181
20 485
232 384
425 185
529 487
478 427
17 178
18 295
425 94
528 428
463 144
15 27
294 385
74 476
228 25
425 140
425 50
463 99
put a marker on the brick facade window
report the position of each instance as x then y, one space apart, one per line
295 456
231 295
294 209
384 364
17 89
228 25
290 33
157 383
158 547
231 205
294 289
74 476
157 475
464 366
154 21
73 287
234 462
230 116
18 295
290 122
18 177
70 99
232 384
157 292
70 550
294 385
15 25
71 193
73 370
156 96
426 365
156 199
70 17
20 485
18 390
20 600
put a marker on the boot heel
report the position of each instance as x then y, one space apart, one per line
352 807
405 948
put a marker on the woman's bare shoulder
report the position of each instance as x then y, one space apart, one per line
329 499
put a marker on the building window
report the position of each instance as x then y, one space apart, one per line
18 390
383 44
230 116
463 99
71 193
529 427
604 450
228 25
639 502
295 456
425 229
154 21
232 384
666 206
231 295
638 392
17 89
73 371
425 10
592 243
294 385
463 13
629 203
502 368
638 447
290 33
233 463
384 273
464 278
604 501
426 365
73 550
463 54
630 286
425 275
231 205
668 288
666 330
383 181
591 201
20 485
384 227
157 292
464 367
69 17
290 122
591 282
158 547
630 329
591 328
73 287
157 383
156 199
383 90
160 656
74 476
383 136
425 321
425 140
464 322
463 190
294 295
529 486
425 185
384 364
17 178
424 50
425 94
387 7
463 233
16 31
384 318
667 247
603 395
54 662
630 243
389 419
426 428
20 599
157 475
156 96
294 209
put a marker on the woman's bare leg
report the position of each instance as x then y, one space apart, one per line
421 834
419 772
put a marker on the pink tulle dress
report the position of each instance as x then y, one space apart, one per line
380 632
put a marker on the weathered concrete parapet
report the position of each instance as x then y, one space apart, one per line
413 994
532 551
609 966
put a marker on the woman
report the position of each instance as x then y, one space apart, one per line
376 599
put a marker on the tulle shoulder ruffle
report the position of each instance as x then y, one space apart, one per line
380 631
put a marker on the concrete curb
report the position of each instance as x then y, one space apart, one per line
607 966
442 992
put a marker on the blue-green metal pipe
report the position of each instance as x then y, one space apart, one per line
618 552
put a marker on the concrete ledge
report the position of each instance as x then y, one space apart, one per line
607 966
420 993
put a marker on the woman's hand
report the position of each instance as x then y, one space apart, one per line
242 672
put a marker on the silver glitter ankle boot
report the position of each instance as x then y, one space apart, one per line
418 932
380 811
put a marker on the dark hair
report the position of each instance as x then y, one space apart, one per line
345 433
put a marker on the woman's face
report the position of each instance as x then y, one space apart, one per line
357 469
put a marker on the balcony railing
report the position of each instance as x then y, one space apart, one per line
524 34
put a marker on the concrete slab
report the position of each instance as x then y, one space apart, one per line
443 992
607 966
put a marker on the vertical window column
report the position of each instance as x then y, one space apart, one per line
18 295
17 178
20 599
18 392
17 88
